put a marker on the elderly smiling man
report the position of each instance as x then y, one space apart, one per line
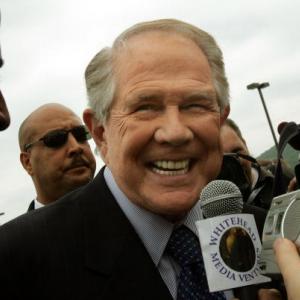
157 100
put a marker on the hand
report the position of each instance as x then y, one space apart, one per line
269 294
289 264
292 185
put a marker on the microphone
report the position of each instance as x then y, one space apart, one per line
221 198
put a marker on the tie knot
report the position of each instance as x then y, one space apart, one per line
184 246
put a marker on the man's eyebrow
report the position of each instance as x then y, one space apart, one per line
155 95
195 95
144 97
149 96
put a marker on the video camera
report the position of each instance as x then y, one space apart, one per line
283 218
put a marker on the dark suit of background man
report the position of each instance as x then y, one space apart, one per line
4 114
55 152
157 100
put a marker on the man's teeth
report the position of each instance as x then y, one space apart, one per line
171 167
171 164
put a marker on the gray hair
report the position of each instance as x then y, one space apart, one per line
100 73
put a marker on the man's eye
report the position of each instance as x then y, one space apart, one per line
146 107
194 106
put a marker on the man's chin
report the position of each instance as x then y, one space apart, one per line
78 180
79 172
174 218
174 209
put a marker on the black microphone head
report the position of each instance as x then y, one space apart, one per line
221 197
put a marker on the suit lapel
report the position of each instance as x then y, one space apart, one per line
114 251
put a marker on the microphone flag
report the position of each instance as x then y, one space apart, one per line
231 250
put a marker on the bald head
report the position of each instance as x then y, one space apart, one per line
41 117
58 169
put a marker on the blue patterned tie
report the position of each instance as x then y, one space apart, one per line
184 248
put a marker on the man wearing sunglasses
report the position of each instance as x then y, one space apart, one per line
55 152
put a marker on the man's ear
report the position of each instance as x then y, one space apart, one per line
224 114
26 162
97 131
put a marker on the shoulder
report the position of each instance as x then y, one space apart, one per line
33 225
63 218
56 217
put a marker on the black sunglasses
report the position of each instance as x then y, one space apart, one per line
57 138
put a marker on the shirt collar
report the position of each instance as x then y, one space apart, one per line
37 204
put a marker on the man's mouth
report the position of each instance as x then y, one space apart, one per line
75 167
77 163
171 167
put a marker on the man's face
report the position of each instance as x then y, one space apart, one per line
4 115
232 143
161 140
56 171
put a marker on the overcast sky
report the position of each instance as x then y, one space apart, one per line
47 44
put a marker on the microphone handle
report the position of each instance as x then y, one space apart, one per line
246 293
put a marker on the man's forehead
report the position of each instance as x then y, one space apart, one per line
160 56
47 119
56 119
232 139
230 131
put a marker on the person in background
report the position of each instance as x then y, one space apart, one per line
55 152
260 181
157 98
4 114
233 142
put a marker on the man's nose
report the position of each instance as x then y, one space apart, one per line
73 145
173 129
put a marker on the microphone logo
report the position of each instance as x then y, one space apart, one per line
237 249
229 239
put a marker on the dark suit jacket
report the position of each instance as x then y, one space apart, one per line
81 247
